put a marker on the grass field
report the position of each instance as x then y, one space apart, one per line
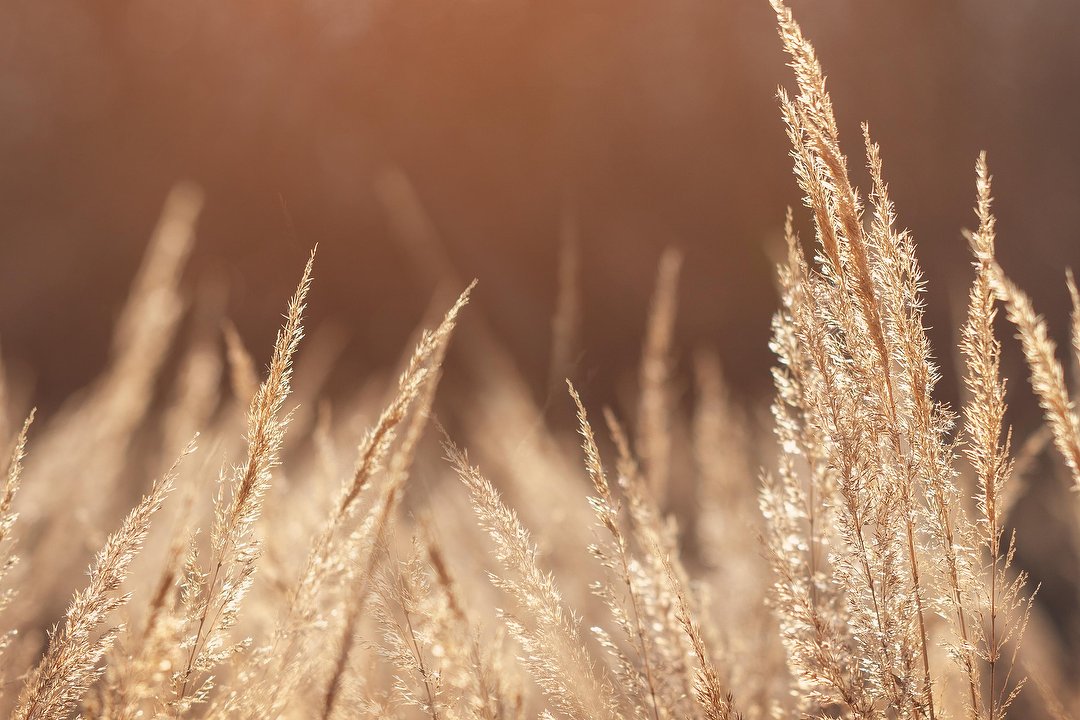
395 551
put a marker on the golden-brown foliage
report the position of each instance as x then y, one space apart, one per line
879 579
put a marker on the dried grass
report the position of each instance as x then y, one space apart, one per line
890 592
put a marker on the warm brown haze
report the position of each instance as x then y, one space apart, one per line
409 545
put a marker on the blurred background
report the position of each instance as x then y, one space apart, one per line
637 124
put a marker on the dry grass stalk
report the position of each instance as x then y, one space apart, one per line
616 558
1003 608
1047 374
138 666
1074 316
212 598
8 517
402 592
654 409
850 285
242 375
371 538
326 559
71 664
855 404
549 638
484 685
814 618
716 702
655 538
566 323
430 354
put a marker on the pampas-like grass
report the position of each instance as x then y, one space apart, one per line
546 629
71 664
1047 374
213 597
879 580
8 516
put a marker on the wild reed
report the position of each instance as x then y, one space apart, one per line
882 548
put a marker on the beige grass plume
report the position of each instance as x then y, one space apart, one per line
547 631
8 516
71 663
213 597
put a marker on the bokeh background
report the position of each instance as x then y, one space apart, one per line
646 124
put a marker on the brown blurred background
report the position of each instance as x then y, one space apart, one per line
655 122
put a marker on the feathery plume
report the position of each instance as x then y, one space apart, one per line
8 517
553 652
212 599
71 663
607 512
1047 375
1004 609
